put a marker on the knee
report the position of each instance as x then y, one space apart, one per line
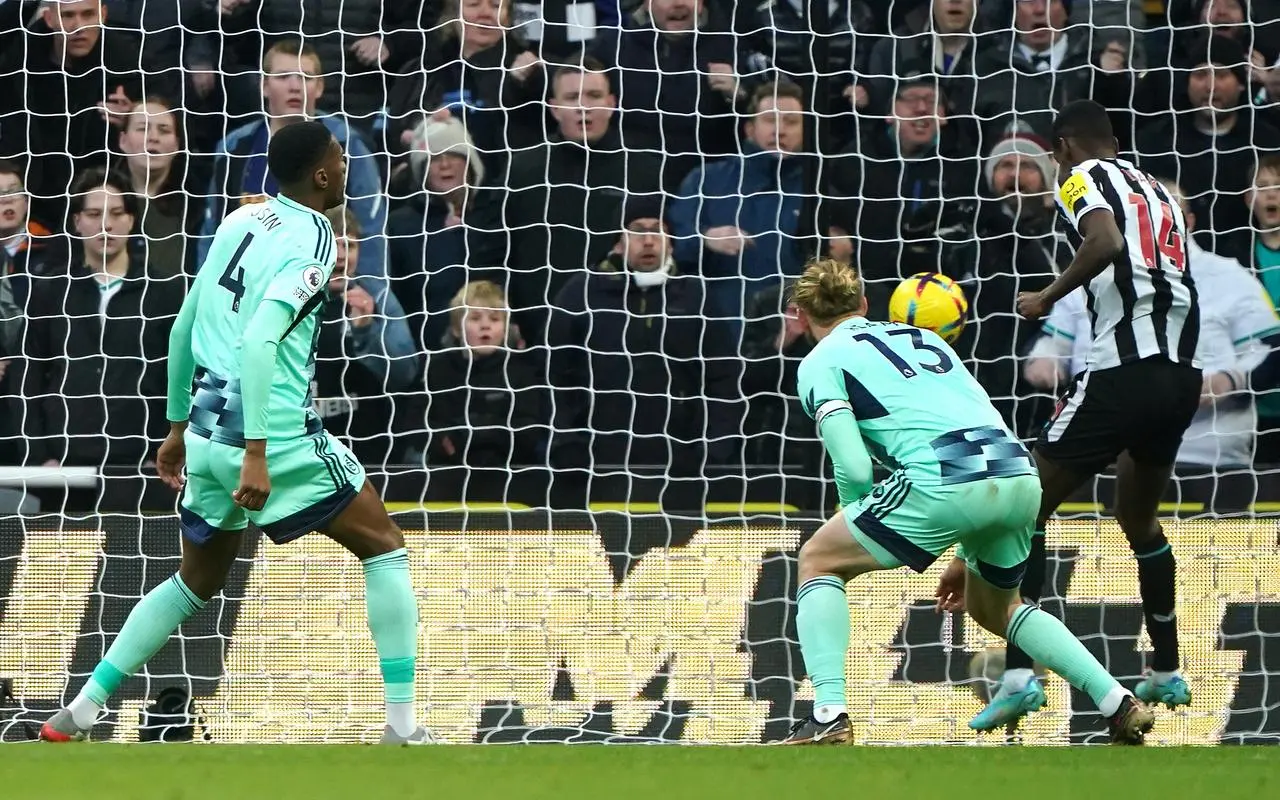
1138 528
816 560
384 540
202 583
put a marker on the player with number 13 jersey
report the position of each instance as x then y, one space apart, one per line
1138 394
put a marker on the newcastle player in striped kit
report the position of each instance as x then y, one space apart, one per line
1138 394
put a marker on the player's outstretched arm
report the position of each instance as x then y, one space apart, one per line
182 368
849 458
257 368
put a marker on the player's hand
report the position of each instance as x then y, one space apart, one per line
1033 305
255 485
950 592
170 459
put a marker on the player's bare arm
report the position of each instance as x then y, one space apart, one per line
1103 241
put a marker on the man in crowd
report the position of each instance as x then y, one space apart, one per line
292 83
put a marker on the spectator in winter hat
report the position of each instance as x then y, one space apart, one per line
445 172
1019 251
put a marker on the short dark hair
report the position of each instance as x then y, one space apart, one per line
296 150
1084 120
100 177
775 91
586 65
8 167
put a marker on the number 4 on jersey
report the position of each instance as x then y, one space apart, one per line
233 276
1169 241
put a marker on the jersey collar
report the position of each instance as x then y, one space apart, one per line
296 206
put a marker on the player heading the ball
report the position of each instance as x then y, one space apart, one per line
960 478
253 446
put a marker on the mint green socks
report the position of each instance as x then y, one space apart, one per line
822 621
393 621
1047 640
148 627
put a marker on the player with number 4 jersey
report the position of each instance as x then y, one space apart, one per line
1138 394
958 477
241 358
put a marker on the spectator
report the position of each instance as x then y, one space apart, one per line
155 162
166 33
291 84
365 353
774 343
1212 149
560 29
1263 255
477 70
641 376
27 251
448 172
96 341
737 220
486 399
558 209
360 41
1040 67
1239 331
1019 251
780 34
63 94
941 35
906 194
678 74
1103 22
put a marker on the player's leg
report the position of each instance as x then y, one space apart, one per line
997 540
888 528
365 528
212 530
318 485
1000 609
1142 477
1020 691
1077 443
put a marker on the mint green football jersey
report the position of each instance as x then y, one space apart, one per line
918 408
273 251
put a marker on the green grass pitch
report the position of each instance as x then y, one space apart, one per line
551 772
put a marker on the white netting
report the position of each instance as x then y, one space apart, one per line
636 471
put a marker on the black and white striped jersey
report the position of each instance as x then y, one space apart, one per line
1144 303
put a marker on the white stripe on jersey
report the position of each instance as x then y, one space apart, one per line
1144 304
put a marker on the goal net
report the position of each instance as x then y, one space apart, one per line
557 338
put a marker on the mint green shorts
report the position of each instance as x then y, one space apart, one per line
313 478
900 523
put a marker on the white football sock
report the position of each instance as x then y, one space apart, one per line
400 718
84 711
827 713
1162 677
1111 703
1015 680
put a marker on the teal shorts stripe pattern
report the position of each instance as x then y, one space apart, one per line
901 523
313 478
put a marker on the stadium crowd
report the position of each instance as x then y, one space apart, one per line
570 225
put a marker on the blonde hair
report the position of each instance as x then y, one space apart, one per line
344 222
827 290
477 294
451 18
